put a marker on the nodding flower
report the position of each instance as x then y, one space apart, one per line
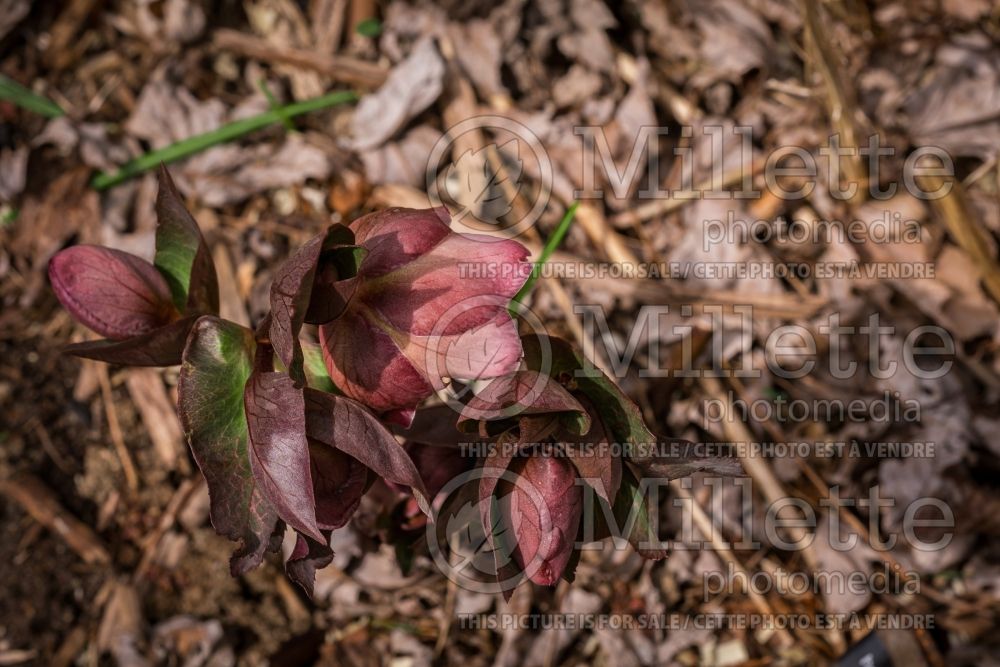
417 315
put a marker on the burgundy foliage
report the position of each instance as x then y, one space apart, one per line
290 436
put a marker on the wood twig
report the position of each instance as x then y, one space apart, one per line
114 426
41 504
339 68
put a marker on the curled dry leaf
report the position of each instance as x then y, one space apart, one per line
412 86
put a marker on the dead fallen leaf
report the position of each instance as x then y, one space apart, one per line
481 191
734 41
13 170
149 394
479 54
11 13
959 108
412 86
403 161
231 173
183 20
120 631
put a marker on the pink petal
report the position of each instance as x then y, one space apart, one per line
487 351
463 282
430 304
365 363
545 534
395 236
116 294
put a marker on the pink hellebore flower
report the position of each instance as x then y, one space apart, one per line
428 304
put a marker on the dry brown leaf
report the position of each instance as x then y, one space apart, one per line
11 13
149 394
412 86
959 108
578 85
479 54
67 207
551 641
231 172
120 631
734 40
13 171
403 161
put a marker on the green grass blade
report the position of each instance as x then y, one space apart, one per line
14 92
228 132
550 247
273 105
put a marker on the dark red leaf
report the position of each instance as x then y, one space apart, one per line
520 394
344 423
434 425
595 459
307 556
621 416
339 481
279 451
160 347
438 465
493 470
116 294
292 292
336 276
217 362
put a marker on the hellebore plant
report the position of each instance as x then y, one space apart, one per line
291 434
556 431
284 433
144 310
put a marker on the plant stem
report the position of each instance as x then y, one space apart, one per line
228 132
550 247
273 105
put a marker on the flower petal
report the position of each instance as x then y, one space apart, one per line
396 236
487 351
463 282
367 365
116 294
545 511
